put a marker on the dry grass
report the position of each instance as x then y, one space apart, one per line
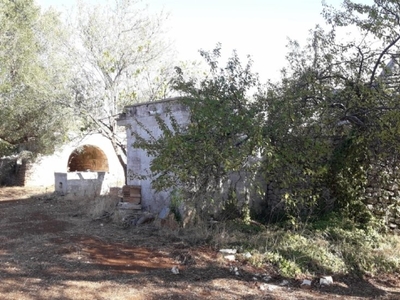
100 205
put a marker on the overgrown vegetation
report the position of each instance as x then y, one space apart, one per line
313 142
306 155
327 247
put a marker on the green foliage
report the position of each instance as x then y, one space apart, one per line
175 204
325 131
332 245
30 83
333 120
223 133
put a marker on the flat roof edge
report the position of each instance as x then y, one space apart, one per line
172 99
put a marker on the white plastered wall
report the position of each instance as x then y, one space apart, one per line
42 171
138 162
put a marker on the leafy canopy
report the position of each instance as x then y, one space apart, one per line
31 81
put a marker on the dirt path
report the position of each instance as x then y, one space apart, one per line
51 249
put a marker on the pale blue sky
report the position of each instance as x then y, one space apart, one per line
256 27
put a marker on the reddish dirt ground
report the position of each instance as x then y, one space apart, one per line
50 248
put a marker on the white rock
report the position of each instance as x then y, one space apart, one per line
230 257
306 284
247 255
268 287
326 280
284 282
175 270
228 251
266 278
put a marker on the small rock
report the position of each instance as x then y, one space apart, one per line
306 284
230 257
284 282
228 251
247 255
266 278
164 213
267 287
145 219
175 270
235 270
326 280
255 278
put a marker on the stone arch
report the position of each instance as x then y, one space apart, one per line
88 158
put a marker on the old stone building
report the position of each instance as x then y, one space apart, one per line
141 119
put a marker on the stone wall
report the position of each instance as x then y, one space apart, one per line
141 119
82 184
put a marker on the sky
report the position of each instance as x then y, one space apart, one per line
259 28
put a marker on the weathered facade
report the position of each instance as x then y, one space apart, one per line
141 119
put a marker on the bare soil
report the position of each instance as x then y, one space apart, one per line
51 249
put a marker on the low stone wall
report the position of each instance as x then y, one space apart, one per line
382 195
82 184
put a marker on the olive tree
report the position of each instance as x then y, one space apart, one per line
32 79
119 55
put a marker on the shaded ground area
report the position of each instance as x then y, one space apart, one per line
51 249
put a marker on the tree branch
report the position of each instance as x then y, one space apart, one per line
371 81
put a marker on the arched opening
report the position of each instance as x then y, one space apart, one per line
88 158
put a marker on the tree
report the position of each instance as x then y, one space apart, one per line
222 137
334 119
31 79
116 52
327 131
